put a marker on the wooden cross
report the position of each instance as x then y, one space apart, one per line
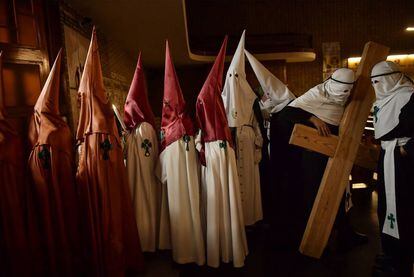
342 151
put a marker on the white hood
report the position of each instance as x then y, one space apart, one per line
277 93
238 96
393 90
327 100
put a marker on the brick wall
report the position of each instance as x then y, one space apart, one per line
117 65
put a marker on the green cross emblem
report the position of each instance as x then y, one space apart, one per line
391 218
376 110
106 146
186 139
223 144
44 156
147 145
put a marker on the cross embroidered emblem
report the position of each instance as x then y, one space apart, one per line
186 139
147 145
376 110
223 144
391 218
44 156
234 114
106 146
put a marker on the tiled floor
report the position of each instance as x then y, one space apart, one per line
265 261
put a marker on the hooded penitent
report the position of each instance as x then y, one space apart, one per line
393 126
52 200
179 172
393 90
141 150
137 108
175 122
238 96
277 93
327 100
110 235
238 99
13 240
225 235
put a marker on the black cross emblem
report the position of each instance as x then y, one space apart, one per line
186 139
44 156
106 146
223 144
146 144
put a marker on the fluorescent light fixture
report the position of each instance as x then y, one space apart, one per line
370 128
359 186
353 60
397 57
409 29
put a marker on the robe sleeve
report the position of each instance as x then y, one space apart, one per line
405 127
258 141
199 144
295 115
407 124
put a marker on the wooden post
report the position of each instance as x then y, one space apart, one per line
339 166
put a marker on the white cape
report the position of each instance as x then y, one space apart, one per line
180 173
141 161
319 103
224 223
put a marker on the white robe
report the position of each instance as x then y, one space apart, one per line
249 142
180 173
224 223
145 187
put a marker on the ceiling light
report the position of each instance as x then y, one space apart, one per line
409 29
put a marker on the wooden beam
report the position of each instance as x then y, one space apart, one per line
339 166
307 137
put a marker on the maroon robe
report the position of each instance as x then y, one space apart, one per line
13 240
53 206
110 235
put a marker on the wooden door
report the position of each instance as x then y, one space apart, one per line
25 59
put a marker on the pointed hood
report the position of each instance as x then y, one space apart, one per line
175 121
137 108
46 118
238 96
211 115
276 92
95 115
48 101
